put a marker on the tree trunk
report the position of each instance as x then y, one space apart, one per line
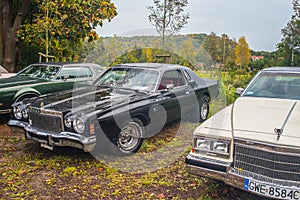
9 52
1 34
9 32
164 23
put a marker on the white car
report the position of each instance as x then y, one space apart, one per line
4 73
254 144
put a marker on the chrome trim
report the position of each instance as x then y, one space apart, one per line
230 179
264 179
209 161
61 139
268 147
17 123
47 113
235 178
268 150
211 152
267 161
6 111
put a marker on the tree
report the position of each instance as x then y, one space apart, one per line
211 46
290 43
56 26
242 53
187 50
167 16
11 19
227 48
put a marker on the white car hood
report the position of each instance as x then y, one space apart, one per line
7 75
257 118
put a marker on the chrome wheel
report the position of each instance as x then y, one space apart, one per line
204 108
130 140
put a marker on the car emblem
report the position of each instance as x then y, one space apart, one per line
278 132
42 104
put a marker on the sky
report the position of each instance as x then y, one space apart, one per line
260 21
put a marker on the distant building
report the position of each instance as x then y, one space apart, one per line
254 58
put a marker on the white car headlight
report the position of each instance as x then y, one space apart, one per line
212 146
203 144
79 125
222 147
17 113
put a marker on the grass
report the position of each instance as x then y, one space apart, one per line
30 172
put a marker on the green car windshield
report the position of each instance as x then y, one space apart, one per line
131 78
40 71
275 85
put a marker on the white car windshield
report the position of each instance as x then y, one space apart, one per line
275 85
131 78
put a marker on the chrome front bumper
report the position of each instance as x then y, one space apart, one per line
17 123
224 172
213 169
51 139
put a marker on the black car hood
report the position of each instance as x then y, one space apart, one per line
19 80
86 99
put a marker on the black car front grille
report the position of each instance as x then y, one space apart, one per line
271 164
48 121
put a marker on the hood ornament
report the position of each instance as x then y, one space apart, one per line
278 132
42 104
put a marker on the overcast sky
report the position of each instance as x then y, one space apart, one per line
260 21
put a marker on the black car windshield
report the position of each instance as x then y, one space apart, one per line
131 78
40 71
275 85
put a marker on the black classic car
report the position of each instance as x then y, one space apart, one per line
127 103
42 78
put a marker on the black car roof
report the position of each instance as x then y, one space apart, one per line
159 66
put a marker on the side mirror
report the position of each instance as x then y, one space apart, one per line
239 91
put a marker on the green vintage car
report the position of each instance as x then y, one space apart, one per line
43 78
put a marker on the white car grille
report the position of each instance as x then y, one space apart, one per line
266 162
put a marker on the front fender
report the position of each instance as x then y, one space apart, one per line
26 91
217 126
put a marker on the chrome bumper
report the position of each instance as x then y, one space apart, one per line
17 123
51 139
214 170
224 172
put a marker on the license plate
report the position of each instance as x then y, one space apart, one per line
273 191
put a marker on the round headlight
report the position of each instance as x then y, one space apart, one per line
79 125
25 113
68 122
17 113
